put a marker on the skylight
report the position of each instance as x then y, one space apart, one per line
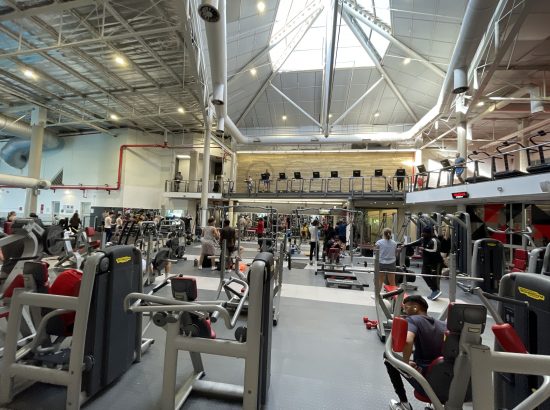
309 53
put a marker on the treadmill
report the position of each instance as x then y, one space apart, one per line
476 177
507 172
538 147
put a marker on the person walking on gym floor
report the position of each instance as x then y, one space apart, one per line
209 235
108 226
431 260
387 248
260 231
425 335
314 241
230 236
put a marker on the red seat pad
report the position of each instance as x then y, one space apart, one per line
508 338
17 282
67 284
399 330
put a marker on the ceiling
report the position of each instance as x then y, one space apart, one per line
63 55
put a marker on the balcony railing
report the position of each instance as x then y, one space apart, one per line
195 186
352 186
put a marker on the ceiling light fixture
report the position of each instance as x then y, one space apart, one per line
330 115
114 117
284 117
29 73
253 72
181 110
406 61
120 60
261 6
376 114
480 104
183 156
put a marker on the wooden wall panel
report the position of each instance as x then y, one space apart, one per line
324 162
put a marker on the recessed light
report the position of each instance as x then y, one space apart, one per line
406 61
120 60
114 117
183 156
29 73
480 104
284 117
377 114
253 72
261 6
330 115
181 110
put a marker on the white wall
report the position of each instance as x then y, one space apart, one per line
93 160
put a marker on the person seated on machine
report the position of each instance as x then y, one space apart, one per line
425 337
332 243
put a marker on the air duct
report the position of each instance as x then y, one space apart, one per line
209 11
214 15
16 152
23 182
460 81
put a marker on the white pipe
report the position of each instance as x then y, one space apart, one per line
24 182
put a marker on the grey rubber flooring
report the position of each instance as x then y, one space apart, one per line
322 358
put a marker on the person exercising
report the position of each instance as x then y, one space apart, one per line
432 262
425 336
387 248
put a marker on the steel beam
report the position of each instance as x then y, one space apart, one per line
276 70
295 105
278 37
361 14
91 41
511 34
365 94
50 8
330 62
369 48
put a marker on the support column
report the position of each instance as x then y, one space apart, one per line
38 122
205 169
461 141
525 141
193 167
233 174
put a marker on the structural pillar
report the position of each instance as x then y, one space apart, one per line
233 174
205 169
38 123
522 139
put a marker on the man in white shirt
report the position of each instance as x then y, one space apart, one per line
314 241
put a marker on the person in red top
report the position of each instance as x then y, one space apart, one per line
260 230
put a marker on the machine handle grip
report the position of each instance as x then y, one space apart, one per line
214 316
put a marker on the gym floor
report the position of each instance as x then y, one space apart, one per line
322 357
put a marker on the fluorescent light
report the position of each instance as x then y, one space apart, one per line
181 110
120 60
183 156
261 6
436 125
284 117
376 114
406 61
480 104
29 73
253 72
114 117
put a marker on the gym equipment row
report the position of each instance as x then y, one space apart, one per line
87 309
355 185
534 166
187 322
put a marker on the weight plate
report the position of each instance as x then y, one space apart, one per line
52 240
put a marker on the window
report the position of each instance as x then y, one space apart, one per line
309 53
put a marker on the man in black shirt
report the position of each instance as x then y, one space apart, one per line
425 335
431 260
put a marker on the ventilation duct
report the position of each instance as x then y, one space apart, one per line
16 152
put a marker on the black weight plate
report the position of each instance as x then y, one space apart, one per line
52 240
